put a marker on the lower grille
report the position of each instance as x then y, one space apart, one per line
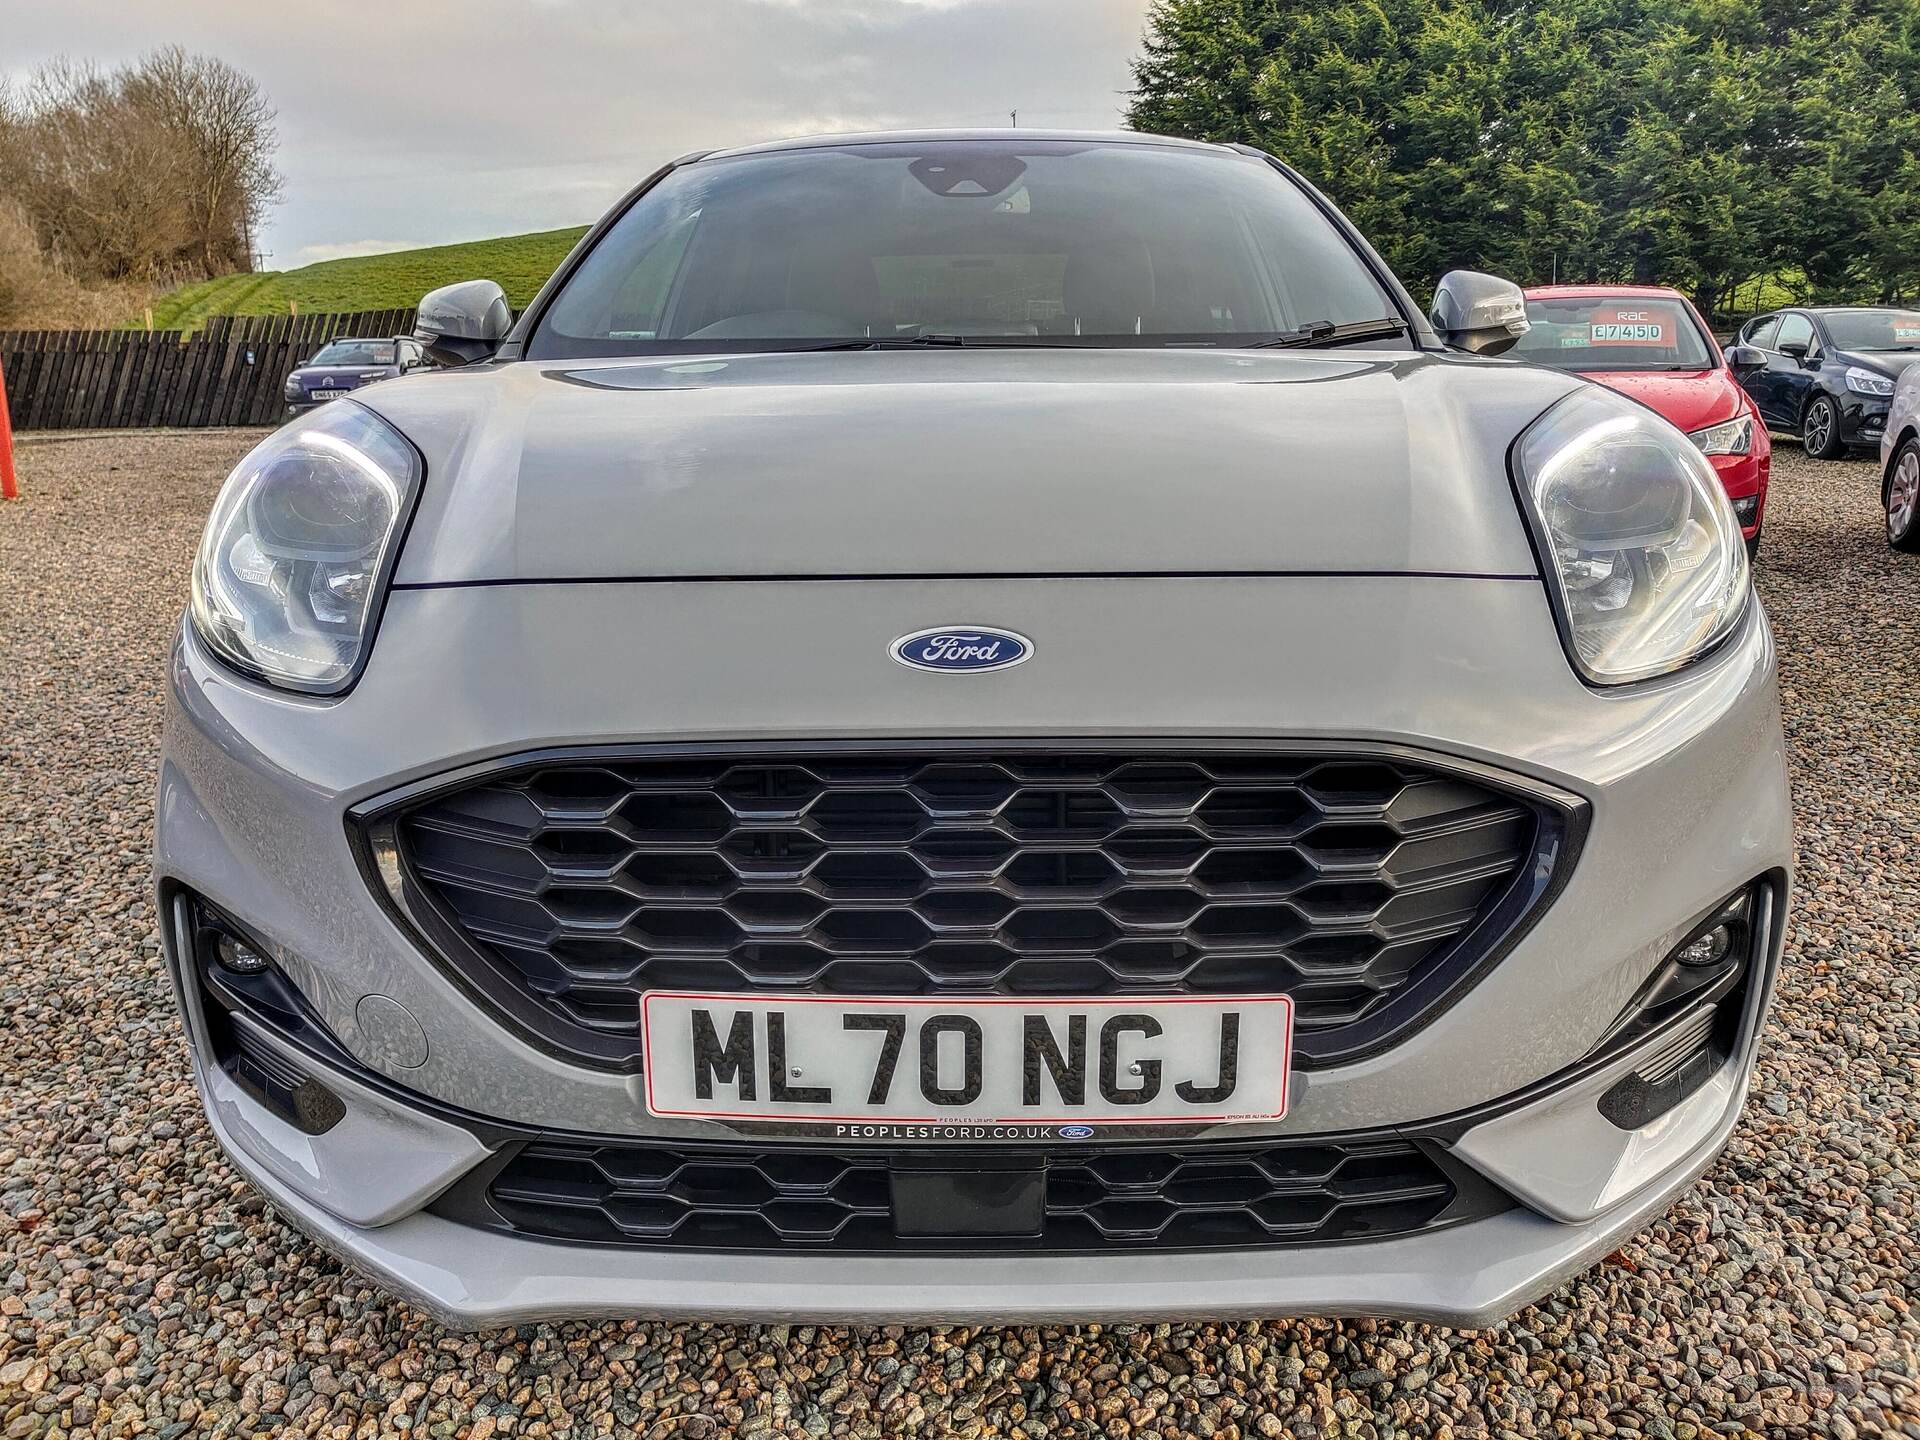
1367 887
740 1198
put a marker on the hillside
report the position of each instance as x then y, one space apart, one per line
371 282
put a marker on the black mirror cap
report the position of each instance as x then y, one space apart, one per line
1795 348
1745 357
462 324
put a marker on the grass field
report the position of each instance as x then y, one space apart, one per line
370 282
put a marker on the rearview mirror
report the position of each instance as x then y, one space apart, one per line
1482 314
1745 357
1796 348
464 323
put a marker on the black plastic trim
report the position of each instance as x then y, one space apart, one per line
1561 816
1769 936
274 1004
1474 1197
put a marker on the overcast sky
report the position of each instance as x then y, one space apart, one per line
413 122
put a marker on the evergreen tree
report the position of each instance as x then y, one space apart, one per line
1696 143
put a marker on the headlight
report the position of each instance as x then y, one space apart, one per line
1644 556
1732 437
1868 382
297 550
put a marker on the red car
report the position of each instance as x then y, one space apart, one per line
1649 343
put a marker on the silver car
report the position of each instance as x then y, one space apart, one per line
973 726
1900 457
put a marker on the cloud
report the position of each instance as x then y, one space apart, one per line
450 119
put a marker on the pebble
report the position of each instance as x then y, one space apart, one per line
145 1290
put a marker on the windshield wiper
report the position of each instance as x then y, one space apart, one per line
1319 334
1324 334
882 342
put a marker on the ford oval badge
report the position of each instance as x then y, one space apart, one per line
1076 1132
962 649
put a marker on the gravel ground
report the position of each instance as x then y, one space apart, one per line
144 1289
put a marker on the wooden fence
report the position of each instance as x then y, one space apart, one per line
229 373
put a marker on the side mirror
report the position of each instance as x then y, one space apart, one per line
464 323
1482 314
1795 348
1745 357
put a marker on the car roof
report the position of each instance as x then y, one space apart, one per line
1584 292
1003 135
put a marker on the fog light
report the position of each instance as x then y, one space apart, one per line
1700 995
1708 949
1746 510
238 956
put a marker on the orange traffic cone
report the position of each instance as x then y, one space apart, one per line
9 486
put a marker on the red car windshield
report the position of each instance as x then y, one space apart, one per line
1614 332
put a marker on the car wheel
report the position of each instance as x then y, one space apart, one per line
1820 429
1902 496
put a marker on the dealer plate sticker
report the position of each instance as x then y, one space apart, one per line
984 1060
1638 333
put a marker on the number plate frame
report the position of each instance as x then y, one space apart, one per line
1268 1042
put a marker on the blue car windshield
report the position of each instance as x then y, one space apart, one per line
355 352
984 241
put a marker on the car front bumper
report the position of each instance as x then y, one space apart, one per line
1863 419
1684 778
1744 478
1465 1276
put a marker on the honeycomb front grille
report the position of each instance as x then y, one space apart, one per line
566 889
742 1198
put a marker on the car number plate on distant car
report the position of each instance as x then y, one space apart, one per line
327 394
948 1060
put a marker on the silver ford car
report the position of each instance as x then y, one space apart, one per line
973 726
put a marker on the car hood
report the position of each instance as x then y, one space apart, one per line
1888 362
985 462
1689 399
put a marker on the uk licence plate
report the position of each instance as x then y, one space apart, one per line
326 394
995 1060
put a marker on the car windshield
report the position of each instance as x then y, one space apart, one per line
962 242
356 352
1613 332
1873 329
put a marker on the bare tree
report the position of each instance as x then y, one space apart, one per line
99 177
226 133
146 175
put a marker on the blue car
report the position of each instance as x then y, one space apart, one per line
1827 375
346 364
